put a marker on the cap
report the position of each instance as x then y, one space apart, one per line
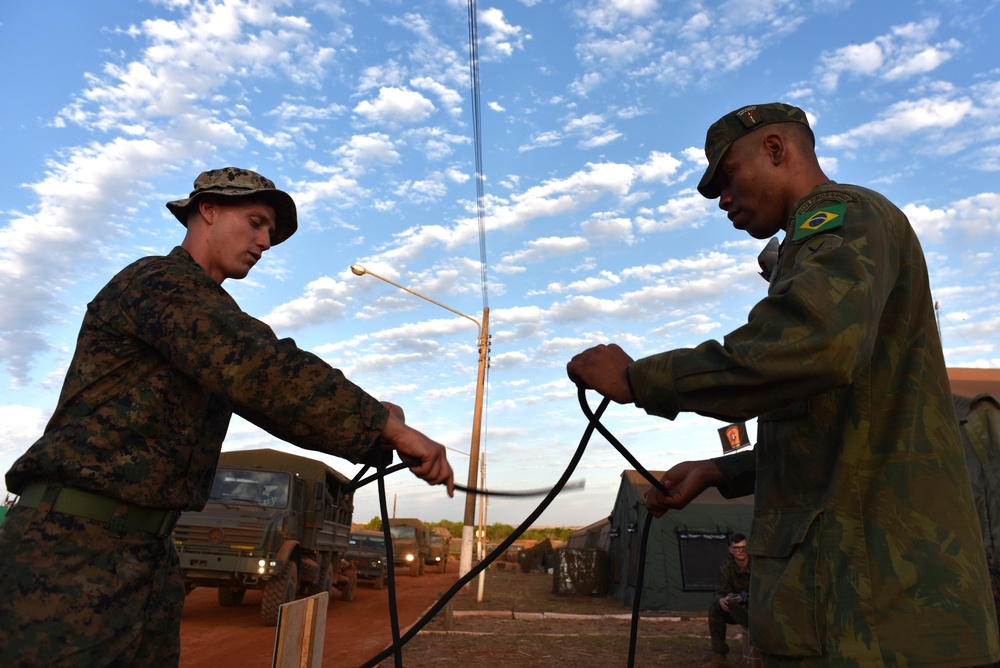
736 124
236 182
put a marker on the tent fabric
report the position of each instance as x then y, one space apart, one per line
684 551
593 536
980 421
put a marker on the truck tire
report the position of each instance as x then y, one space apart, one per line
442 566
381 579
416 567
278 591
309 575
347 589
327 582
231 597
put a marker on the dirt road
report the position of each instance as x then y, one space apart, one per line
355 631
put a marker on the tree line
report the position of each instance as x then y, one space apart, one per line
495 532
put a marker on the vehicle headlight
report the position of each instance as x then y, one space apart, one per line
409 557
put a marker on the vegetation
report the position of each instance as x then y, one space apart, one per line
495 532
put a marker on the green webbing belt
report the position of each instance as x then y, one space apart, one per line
71 501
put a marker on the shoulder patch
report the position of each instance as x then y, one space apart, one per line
823 197
819 220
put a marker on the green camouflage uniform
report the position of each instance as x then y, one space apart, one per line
164 357
865 543
731 580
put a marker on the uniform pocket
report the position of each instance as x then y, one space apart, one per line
786 607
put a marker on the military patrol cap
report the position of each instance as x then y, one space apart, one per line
736 124
236 182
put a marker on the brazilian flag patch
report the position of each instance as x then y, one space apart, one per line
819 220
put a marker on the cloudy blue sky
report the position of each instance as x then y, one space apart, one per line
593 114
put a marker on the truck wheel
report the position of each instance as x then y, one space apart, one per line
230 597
278 591
347 589
416 567
381 579
442 566
327 582
309 574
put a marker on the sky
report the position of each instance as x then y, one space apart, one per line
593 116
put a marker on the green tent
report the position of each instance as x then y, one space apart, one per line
980 421
684 551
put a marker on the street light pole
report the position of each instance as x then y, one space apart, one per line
468 523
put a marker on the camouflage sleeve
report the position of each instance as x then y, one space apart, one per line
812 332
739 470
289 392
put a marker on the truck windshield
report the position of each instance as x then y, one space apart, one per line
403 532
261 488
373 542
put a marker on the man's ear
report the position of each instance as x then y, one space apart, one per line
207 208
774 145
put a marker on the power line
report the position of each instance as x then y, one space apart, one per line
477 136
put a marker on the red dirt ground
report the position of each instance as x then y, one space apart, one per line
355 631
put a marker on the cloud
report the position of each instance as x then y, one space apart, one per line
902 53
501 39
970 218
538 250
689 209
362 152
325 300
604 279
905 118
395 107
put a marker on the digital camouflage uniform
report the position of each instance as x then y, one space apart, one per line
731 580
865 544
164 357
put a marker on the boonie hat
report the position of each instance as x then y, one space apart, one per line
236 182
736 124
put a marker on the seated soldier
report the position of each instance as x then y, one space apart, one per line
729 606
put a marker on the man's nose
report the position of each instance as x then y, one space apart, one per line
725 199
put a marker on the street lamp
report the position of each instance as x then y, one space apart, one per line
468 523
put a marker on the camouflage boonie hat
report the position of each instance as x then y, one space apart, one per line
736 124
236 182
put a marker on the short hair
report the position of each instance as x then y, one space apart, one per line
736 538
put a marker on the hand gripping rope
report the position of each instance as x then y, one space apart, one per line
594 423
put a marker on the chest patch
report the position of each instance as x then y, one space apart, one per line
819 220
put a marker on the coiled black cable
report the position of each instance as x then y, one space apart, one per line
593 424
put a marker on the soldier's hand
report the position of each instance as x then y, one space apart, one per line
685 481
414 446
603 368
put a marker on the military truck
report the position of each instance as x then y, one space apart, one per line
366 553
410 544
439 548
276 522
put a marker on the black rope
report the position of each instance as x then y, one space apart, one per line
492 556
359 482
593 417
387 537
